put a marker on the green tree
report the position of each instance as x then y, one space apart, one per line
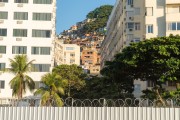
118 80
99 18
52 89
21 82
74 76
155 60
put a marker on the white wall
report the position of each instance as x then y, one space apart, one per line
89 113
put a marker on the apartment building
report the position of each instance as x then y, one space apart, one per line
26 27
137 20
90 60
66 53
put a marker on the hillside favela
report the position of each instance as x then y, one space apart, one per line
95 60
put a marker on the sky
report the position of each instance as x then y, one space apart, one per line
71 11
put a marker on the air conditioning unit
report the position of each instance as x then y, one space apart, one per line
131 18
20 5
2 4
18 39
1 21
130 29
19 22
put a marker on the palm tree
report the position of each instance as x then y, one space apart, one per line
53 87
20 66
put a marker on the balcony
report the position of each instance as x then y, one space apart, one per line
171 2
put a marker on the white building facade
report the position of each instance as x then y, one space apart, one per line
137 20
26 27
66 53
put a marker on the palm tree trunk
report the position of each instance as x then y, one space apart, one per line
21 87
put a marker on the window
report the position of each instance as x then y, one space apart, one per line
3 15
130 37
130 25
149 28
2 84
89 52
149 11
137 11
41 33
69 48
42 16
173 26
72 61
41 67
2 49
137 88
35 50
150 83
19 50
3 32
130 2
3 0
2 66
137 26
20 32
20 1
178 25
45 50
130 13
42 1
20 15
40 50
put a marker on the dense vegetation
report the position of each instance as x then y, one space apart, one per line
99 18
156 60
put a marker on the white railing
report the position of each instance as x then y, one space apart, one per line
89 113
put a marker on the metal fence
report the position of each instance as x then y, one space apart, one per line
70 102
89 113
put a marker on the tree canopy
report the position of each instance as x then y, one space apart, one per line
74 76
21 82
52 89
99 18
156 60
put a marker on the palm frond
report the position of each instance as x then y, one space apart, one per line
45 98
57 100
29 82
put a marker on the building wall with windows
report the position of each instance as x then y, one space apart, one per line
66 53
26 27
138 20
